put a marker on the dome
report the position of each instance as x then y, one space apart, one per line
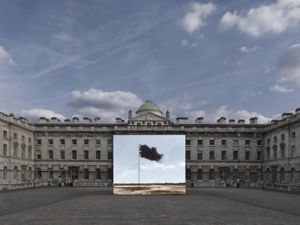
149 106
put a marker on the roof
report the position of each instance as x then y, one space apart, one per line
149 106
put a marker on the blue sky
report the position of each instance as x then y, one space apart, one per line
170 169
197 58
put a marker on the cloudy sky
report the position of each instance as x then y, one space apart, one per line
170 169
196 58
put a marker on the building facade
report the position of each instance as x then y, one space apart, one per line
80 151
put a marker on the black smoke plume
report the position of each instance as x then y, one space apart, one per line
150 153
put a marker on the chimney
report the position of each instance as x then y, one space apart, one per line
43 120
241 121
54 119
232 121
87 120
297 111
119 120
75 119
253 120
181 120
199 120
286 115
221 120
97 119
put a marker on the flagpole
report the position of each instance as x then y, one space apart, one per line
139 167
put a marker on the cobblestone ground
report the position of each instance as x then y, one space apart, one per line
84 206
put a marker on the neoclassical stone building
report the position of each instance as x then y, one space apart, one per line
225 153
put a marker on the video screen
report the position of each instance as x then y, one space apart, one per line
149 164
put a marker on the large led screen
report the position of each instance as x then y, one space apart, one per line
149 164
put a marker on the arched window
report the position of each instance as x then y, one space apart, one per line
282 175
30 173
199 174
211 174
38 173
50 173
62 172
15 172
293 175
4 173
268 175
86 174
98 174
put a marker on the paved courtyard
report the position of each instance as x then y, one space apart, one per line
84 206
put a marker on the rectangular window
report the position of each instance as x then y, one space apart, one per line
98 174
188 155
5 149
15 136
98 142
259 142
293 134
23 138
200 156
74 154
275 139
86 154
39 156
50 154
235 155
259 155
224 142
62 141
211 155
199 174
247 142
223 155
50 141
5 134
274 154
109 155
109 141
293 150
187 142
247 155
86 174
282 137
200 142
29 140
98 154
268 141
187 174
39 141
86 141
74 142
235 142
109 174
211 142
62 154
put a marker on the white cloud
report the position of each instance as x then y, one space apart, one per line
213 115
105 104
282 89
246 49
5 56
36 113
270 18
194 19
184 107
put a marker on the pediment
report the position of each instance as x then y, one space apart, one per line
149 116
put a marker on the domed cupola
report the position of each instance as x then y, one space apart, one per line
149 106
